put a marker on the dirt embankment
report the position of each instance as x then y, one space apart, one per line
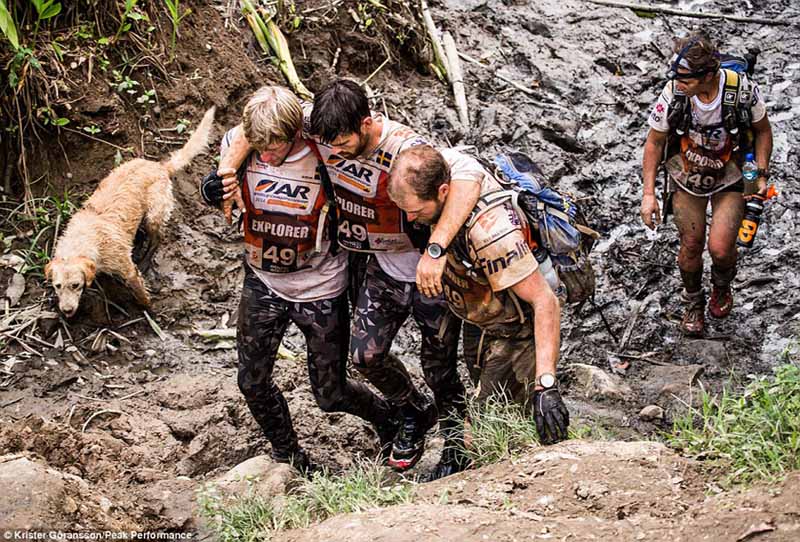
137 416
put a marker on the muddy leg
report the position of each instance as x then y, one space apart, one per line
325 326
135 281
382 307
690 218
160 203
439 356
263 318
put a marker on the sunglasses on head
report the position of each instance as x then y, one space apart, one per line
678 61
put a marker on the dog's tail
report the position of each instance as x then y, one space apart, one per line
196 144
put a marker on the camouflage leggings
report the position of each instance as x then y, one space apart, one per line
507 362
383 305
263 317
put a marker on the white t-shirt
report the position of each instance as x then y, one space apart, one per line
323 276
707 147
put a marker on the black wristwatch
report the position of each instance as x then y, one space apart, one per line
435 250
547 380
763 172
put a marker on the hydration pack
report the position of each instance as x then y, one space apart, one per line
558 225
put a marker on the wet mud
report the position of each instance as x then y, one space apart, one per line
122 415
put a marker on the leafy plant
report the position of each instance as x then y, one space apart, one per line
755 435
45 9
175 16
130 13
93 129
8 26
147 97
181 126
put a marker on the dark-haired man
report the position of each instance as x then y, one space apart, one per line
493 281
707 113
359 149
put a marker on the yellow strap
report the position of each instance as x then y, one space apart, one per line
731 85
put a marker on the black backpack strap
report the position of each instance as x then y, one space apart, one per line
330 209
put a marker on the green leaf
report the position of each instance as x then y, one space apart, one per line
103 41
51 11
61 121
8 27
58 50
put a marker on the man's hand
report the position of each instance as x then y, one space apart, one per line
429 275
762 186
651 215
551 416
232 193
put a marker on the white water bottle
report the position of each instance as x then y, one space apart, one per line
749 173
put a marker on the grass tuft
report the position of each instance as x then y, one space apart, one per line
498 429
755 436
250 517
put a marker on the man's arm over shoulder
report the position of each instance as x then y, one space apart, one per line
238 148
465 189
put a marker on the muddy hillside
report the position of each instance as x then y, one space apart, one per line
123 415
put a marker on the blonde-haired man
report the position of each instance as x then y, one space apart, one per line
293 273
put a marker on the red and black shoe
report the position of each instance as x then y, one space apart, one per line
409 444
721 302
694 321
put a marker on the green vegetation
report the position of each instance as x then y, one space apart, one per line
498 429
753 436
42 226
250 517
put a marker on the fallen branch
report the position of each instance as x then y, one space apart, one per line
439 64
456 77
98 413
518 86
635 316
694 14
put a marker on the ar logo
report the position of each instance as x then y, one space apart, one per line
354 170
273 188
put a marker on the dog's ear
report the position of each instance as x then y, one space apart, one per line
89 269
48 270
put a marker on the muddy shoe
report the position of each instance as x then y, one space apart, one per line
693 322
453 460
409 444
387 431
298 459
721 302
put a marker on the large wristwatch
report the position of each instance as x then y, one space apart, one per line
435 250
547 380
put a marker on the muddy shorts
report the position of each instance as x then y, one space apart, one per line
263 317
501 360
382 306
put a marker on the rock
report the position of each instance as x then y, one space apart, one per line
590 489
30 492
174 503
16 287
595 382
652 413
258 475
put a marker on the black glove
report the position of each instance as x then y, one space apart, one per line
211 189
551 416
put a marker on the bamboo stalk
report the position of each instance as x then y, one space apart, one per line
270 38
694 14
439 58
456 78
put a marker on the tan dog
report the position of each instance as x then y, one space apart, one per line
99 237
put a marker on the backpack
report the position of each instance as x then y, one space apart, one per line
737 99
558 224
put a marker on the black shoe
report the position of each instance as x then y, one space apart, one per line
453 460
298 459
387 431
409 444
